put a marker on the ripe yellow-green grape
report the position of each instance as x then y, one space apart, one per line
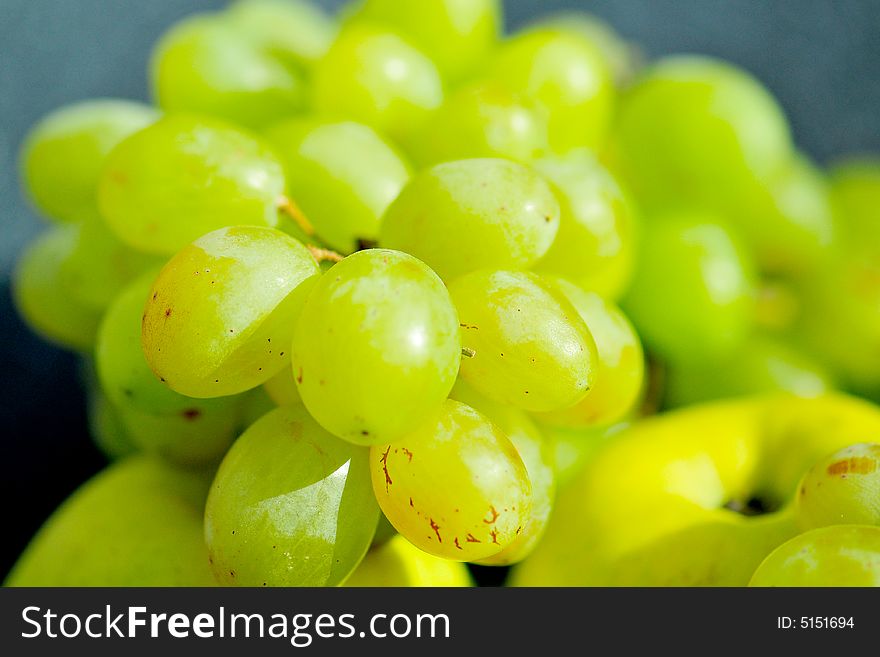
106 427
471 214
855 195
41 294
219 317
137 523
99 266
455 487
296 32
840 555
400 563
692 297
569 78
62 155
526 344
536 454
155 418
483 119
761 364
121 365
796 233
697 131
206 64
373 75
694 497
343 176
194 437
457 35
184 176
620 363
595 246
842 488
282 389
623 59
840 320
376 347
291 505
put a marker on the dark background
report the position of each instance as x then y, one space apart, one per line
820 57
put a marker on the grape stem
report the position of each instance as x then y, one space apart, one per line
321 255
292 210
467 352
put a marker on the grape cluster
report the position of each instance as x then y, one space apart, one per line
362 299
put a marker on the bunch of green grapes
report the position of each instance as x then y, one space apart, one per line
390 280
752 260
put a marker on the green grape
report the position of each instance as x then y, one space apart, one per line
376 347
297 32
185 176
100 266
155 418
799 229
384 532
41 294
466 215
457 35
207 64
622 58
282 389
63 154
374 76
842 489
400 563
692 294
254 404
620 369
840 319
527 345
107 428
137 523
699 132
595 246
343 176
855 194
567 75
455 487
219 318
840 555
536 454
196 436
484 119
290 506
762 364
123 372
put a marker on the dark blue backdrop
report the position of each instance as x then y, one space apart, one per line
820 57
